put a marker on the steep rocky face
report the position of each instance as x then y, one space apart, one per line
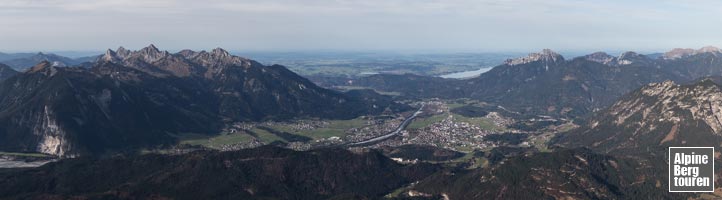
6 72
262 173
546 56
649 120
69 111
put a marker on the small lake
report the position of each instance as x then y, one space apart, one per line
466 74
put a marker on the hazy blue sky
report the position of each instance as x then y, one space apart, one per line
291 25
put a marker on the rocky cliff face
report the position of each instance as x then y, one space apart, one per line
546 56
654 117
68 111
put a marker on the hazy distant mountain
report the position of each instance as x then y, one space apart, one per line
131 99
23 63
12 56
655 55
415 86
85 59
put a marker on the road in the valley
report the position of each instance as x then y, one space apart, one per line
398 130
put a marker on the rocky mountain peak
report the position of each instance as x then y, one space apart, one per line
630 57
677 53
216 58
220 52
629 54
122 52
546 55
151 53
43 67
147 54
600 57
184 63
709 49
41 55
109 56
150 49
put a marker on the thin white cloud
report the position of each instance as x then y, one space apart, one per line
358 24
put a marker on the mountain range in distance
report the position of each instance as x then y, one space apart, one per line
546 83
130 99
151 93
607 120
23 61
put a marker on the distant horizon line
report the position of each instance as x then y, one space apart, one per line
565 53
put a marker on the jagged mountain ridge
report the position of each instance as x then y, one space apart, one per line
546 55
184 63
111 106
